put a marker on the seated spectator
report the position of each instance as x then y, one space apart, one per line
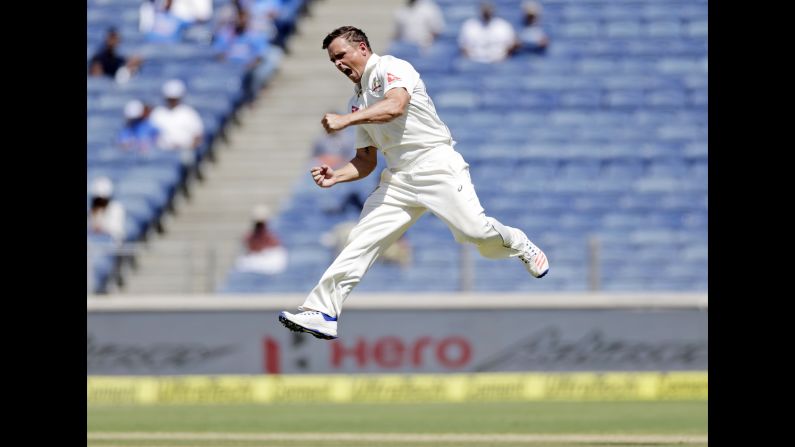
226 17
250 49
193 16
532 37
146 16
192 11
262 15
179 125
335 149
107 62
165 25
106 216
419 22
487 39
138 134
263 252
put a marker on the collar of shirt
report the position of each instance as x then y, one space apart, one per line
368 70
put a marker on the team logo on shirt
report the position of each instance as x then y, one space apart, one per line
390 78
354 109
376 87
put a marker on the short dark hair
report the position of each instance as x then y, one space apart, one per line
349 33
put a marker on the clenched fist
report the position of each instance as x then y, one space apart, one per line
323 175
333 122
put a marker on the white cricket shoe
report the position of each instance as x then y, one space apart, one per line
313 322
535 261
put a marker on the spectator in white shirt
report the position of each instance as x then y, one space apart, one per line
419 22
488 38
192 11
106 216
180 126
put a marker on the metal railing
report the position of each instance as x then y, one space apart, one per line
205 265
200 260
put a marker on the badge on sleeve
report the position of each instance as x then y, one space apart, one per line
390 78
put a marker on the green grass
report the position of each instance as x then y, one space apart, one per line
526 417
657 418
369 444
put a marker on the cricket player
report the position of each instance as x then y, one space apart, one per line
393 113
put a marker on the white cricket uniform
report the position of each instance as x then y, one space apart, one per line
423 173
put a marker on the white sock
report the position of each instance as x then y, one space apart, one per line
511 237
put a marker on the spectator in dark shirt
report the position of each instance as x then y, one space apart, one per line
262 251
107 62
532 37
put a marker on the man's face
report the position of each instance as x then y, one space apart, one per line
241 22
349 58
112 40
486 13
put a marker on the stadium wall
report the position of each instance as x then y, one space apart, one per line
399 334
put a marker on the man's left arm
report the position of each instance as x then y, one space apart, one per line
393 105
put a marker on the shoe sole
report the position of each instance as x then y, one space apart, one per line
295 327
539 276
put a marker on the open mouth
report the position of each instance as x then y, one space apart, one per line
347 71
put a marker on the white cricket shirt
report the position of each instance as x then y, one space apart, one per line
409 136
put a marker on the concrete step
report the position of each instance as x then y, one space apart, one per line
163 288
262 179
198 228
184 245
276 147
233 205
229 209
205 241
276 119
211 229
177 266
262 155
264 187
199 236
269 178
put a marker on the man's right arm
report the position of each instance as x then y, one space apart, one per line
359 167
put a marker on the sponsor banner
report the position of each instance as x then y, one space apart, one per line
498 387
218 341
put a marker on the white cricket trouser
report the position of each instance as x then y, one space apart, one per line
439 181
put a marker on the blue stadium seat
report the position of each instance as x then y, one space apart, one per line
664 28
623 29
